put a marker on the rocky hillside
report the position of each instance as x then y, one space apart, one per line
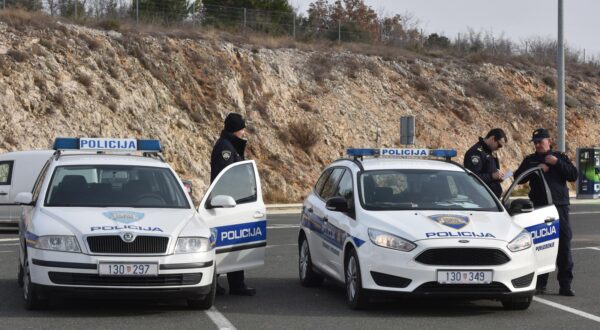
305 104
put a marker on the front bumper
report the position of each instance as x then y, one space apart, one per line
387 271
179 275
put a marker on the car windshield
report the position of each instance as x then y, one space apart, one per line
424 190
115 186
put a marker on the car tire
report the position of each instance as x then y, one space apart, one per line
30 292
20 275
517 304
306 272
207 301
356 296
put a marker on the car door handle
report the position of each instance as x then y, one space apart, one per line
309 210
259 214
3 193
325 219
549 220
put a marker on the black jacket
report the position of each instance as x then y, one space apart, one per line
479 160
556 177
227 150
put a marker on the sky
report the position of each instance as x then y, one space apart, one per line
516 19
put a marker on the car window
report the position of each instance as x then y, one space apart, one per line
115 186
330 185
321 182
238 182
344 188
6 172
424 190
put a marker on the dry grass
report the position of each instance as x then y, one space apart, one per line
307 107
113 91
320 66
58 99
304 134
549 81
40 82
92 43
547 100
484 88
21 19
421 84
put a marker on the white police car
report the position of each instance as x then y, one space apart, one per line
422 227
104 221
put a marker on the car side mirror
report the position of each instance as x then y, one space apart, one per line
337 204
222 201
520 205
24 198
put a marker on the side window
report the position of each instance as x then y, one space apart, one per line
6 173
331 183
345 186
238 182
321 181
37 187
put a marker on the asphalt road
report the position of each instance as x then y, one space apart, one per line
282 303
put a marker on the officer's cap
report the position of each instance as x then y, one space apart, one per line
540 134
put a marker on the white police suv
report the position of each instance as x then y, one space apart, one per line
110 217
422 227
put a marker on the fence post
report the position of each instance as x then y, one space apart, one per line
194 14
137 11
339 31
75 3
584 55
3 4
294 26
244 18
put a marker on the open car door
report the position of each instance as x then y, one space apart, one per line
233 207
541 221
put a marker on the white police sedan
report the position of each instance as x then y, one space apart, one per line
422 227
108 217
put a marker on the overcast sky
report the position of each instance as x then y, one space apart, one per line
517 19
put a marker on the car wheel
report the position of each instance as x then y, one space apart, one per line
30 292
308 276
20 275
207 301
517 304
356 296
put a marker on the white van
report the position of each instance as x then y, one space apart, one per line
18 171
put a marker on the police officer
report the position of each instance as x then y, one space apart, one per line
229 149
479 159
557 169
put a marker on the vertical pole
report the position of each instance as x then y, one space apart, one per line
3 4
526 48
75 3
339 31
137 11
561 79
584 55
244 18
194 14
294 25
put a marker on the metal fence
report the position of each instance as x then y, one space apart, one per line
193 14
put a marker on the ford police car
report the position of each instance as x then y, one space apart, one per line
422 227
110 217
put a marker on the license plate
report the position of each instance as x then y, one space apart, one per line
128 269
464 276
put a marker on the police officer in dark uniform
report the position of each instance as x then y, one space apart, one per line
480 160
229 149
557 169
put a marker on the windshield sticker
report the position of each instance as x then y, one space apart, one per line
450 220
124 216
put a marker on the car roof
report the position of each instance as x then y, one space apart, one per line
406 163
108 159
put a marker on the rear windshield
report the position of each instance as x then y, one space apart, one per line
424 190
115 186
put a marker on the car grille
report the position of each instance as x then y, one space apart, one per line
435 287
141 244
523 281
463 257
145 281
390 280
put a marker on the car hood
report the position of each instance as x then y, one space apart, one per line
424 225
102 221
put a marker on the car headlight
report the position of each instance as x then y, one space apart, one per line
387 240
58 243
192 245
521 242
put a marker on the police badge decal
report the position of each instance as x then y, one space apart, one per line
226 154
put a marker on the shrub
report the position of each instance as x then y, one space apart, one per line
422 84
304 134
109 24
307 107
84 79
571 102
91 42
484 88
17 55
113 91
549 81
548 100
320 66
58 99
39 82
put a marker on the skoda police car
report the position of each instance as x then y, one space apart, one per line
111 217
397 221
